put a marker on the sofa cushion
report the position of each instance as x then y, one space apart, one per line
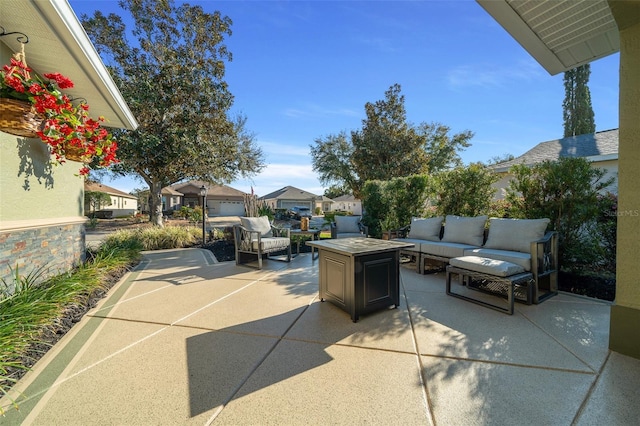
464 230
260 224
271 244
484 265
441 249
348 224
517 257
515 234
426 229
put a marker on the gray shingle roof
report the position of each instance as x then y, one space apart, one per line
589 145
290 193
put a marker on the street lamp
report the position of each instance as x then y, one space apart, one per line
203 194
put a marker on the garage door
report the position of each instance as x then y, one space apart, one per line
231 208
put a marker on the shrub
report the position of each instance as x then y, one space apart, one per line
465 191
391 204
566 191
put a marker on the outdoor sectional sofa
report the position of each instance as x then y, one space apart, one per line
522 242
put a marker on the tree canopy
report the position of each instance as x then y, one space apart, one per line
386 147
172 78
577 110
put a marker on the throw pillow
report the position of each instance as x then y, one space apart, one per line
515 234
260 224
464 230
347 224
426 229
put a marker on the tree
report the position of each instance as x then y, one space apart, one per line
172 79
386 147
577 109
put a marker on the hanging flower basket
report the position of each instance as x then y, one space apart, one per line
19 118
33 107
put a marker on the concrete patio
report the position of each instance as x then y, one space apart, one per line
184 339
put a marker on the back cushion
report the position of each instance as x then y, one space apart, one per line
347 224
515 234
260 224
464 230
426 229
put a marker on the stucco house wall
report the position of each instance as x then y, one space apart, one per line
41 205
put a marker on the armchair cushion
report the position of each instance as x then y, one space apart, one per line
464 230
426 229
515 234
260 224
347 224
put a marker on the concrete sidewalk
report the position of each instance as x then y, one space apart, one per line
186 340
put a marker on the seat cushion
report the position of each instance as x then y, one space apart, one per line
484 265
426 229
464 230
515 234
444 249
517 257
260 224
271 244
348 224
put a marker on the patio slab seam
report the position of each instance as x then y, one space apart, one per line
56 361
591 390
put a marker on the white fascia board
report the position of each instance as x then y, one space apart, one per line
522 33
85 53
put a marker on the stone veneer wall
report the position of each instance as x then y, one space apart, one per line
56 248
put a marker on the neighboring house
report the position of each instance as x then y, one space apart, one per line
221 200
171 199
325 204
348 203
288 197
122 204
42 222
600 149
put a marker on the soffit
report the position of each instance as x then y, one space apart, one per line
58 43
559 34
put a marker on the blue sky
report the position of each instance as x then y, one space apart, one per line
304 70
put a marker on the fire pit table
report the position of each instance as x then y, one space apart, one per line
360 275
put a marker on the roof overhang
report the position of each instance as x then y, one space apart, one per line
58 43
559 34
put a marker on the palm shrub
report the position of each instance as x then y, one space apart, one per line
566 191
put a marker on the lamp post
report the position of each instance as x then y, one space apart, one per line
203 194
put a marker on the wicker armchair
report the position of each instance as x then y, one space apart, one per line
255 238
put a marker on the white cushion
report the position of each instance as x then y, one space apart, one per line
499 268
260 224
348 224
515 234
464 230
271 244
517 257
426 229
